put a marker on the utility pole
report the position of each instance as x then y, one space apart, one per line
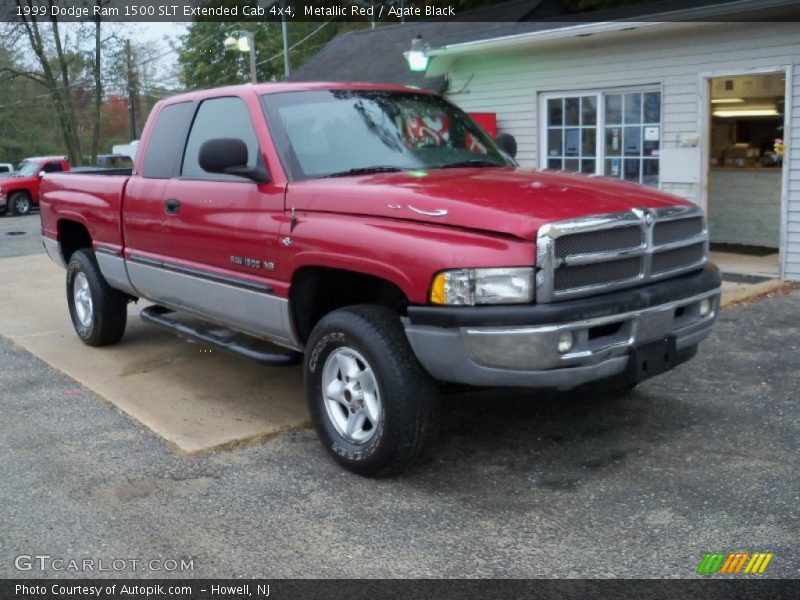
284 31
252 40
132 87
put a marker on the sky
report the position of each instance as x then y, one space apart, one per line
159 35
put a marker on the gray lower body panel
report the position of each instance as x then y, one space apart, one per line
53 249
115 271
252 312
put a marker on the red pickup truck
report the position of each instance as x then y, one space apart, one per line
382 234
19 192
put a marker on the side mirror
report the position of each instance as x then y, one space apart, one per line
229 156
41 173
507 143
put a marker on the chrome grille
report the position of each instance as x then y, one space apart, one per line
593 255
675 259
600 241
583 275
677 229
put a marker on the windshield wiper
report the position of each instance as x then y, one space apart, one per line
365 171
475 162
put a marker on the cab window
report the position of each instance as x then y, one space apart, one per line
219 118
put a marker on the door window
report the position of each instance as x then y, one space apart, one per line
52 167
219 118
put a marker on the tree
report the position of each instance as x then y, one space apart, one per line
53 74
205 62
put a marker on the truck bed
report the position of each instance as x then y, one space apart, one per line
91 197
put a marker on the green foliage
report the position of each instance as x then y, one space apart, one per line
205 62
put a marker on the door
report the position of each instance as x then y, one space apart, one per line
745 171
220 232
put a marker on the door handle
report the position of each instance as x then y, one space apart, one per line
172 206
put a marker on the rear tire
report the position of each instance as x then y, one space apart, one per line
375 409
98 311
19 203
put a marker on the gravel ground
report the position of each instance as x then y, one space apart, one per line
523 484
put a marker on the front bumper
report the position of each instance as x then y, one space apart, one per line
517 345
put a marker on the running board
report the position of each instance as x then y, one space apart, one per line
224 339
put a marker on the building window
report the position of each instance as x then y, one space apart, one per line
616 134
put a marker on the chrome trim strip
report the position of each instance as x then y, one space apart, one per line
215 277
588 259
679 243
547 261
107 250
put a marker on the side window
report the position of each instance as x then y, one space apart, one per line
219 118
52 167
163 153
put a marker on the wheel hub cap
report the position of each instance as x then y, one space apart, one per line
82 296
350 394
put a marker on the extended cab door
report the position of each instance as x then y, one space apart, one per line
219 247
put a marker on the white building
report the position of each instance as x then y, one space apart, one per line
691 107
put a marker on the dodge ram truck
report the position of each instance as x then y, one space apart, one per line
380 236
19 192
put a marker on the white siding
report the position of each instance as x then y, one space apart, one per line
511 83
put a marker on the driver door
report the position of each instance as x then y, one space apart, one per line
220 232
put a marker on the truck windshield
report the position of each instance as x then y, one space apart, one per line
27 168
350 132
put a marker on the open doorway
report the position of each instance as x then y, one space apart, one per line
745 173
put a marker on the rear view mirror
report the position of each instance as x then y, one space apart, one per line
507 143
229 156
41 173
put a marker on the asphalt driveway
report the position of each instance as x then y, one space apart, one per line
703 459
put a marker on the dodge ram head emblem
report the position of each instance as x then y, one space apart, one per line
437 212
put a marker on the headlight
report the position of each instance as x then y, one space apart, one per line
513 285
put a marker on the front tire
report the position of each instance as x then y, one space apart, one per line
99 313
375 409
19 203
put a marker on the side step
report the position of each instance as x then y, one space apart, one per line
225 339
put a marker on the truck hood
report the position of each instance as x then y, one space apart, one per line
503 200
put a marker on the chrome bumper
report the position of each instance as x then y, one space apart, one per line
528 356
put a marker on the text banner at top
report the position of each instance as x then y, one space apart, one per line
391 11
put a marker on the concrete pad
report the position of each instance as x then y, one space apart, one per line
736 293
746 264
195 397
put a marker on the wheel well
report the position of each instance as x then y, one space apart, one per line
72 236
25 192
316 291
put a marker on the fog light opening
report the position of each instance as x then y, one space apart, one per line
565 342
705 307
